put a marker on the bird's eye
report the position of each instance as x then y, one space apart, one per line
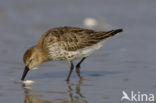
31 60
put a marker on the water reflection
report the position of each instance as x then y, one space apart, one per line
73 93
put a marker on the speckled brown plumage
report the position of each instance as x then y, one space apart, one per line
72 38
65 44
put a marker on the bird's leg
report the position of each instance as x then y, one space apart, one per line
71 69
78 67
78 85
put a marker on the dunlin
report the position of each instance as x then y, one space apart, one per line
65 44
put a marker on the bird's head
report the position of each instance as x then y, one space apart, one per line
32 58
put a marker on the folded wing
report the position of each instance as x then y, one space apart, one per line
72 39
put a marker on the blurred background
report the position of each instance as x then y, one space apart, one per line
126 62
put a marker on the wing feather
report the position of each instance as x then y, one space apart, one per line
72 38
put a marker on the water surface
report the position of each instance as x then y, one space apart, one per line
126 62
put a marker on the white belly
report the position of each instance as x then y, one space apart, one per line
57 53
89 50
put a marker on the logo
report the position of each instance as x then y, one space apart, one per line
137 97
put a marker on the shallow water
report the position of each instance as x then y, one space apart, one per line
126 62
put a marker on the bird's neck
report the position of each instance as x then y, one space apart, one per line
42 53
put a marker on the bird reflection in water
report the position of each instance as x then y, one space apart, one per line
73 92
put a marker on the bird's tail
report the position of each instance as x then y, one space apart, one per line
106 35
113 32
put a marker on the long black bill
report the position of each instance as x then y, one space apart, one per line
25 73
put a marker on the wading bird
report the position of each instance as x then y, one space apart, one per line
65 44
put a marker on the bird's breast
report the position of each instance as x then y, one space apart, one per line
56 52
